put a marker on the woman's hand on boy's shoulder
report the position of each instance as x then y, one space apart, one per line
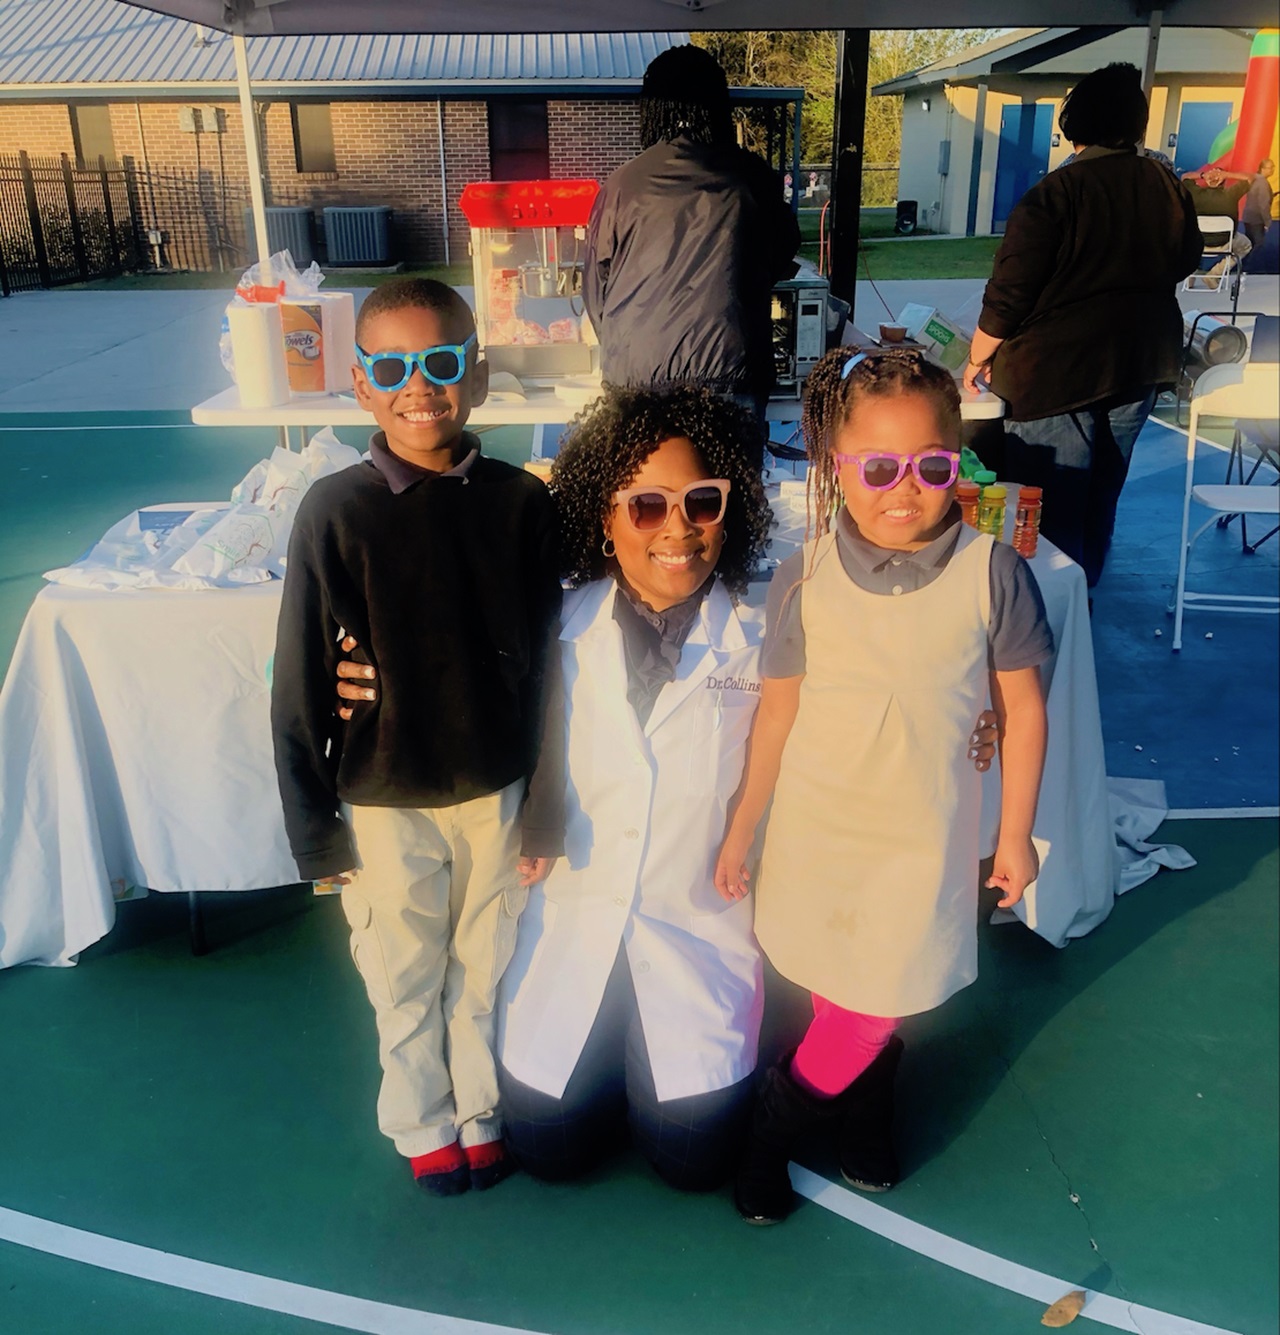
983 742
355 680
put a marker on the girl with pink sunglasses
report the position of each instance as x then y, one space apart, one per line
883 637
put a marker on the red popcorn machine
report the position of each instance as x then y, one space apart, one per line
527 243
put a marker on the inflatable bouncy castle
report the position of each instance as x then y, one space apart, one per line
1256 135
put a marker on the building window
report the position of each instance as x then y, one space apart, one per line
519 149
313 137
91 133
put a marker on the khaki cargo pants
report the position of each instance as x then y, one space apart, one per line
433 910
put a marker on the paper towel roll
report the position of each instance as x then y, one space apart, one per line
340 341
257 347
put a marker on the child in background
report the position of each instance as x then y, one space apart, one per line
882 640
442 564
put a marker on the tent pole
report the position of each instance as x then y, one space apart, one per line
853 58
1153 49
253 157
795 154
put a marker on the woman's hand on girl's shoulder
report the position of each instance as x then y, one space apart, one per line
354 680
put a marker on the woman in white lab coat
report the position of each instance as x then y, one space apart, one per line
633 1000
634 995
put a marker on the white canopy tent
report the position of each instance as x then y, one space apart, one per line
267 18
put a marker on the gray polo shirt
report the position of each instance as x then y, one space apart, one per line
1019 635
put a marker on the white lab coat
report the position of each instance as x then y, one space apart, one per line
645 815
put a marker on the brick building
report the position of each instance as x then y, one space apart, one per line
373 120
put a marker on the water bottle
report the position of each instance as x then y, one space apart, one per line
1026 521
968 494
991 511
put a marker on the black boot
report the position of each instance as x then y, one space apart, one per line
867 1158
785 1117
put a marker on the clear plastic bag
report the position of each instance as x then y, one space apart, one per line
287 280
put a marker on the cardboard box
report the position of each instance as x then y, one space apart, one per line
945 341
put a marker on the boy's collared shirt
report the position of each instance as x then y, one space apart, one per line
453 593
401 474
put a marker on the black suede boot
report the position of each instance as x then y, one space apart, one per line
785 1117
867 1157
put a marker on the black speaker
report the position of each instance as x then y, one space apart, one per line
907 217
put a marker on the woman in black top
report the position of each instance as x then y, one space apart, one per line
1080 325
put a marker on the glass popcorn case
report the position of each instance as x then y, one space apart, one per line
527 247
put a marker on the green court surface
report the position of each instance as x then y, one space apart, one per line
1105 1114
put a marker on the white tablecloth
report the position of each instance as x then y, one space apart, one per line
137 753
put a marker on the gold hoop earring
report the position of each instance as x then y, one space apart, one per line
607 548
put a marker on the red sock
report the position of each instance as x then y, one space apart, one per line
486 1155
446 1160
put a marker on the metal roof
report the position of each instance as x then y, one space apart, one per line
1025 49
105 42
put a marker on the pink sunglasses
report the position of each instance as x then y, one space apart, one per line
701 503
934 469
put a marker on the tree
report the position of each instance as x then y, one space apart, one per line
808 60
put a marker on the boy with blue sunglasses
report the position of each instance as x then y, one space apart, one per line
442 564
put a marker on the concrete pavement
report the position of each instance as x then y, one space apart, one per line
76 351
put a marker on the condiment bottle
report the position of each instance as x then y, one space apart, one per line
968 494
1026 521
991 511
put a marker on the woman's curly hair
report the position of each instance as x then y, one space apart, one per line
606 446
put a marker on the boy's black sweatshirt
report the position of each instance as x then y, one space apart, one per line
450 587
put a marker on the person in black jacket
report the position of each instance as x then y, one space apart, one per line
1080 325
686 242
443 564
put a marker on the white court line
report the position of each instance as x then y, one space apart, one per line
982 1265
1223 813
237 1286
141 426
363 1314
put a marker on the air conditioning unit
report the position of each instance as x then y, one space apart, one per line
358 236
292 229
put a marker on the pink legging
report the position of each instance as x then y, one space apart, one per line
838 1047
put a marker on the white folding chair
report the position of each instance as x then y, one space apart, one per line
1233 391
1219 252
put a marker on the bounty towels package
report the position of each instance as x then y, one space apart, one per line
319 341
286 337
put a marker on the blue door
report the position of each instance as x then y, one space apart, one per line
1199 124
1025 131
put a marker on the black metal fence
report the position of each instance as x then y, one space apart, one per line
62 223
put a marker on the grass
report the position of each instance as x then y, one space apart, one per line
453 274
964 257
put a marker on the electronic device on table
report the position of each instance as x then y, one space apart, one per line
798 309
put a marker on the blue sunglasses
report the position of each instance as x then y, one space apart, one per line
443 365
